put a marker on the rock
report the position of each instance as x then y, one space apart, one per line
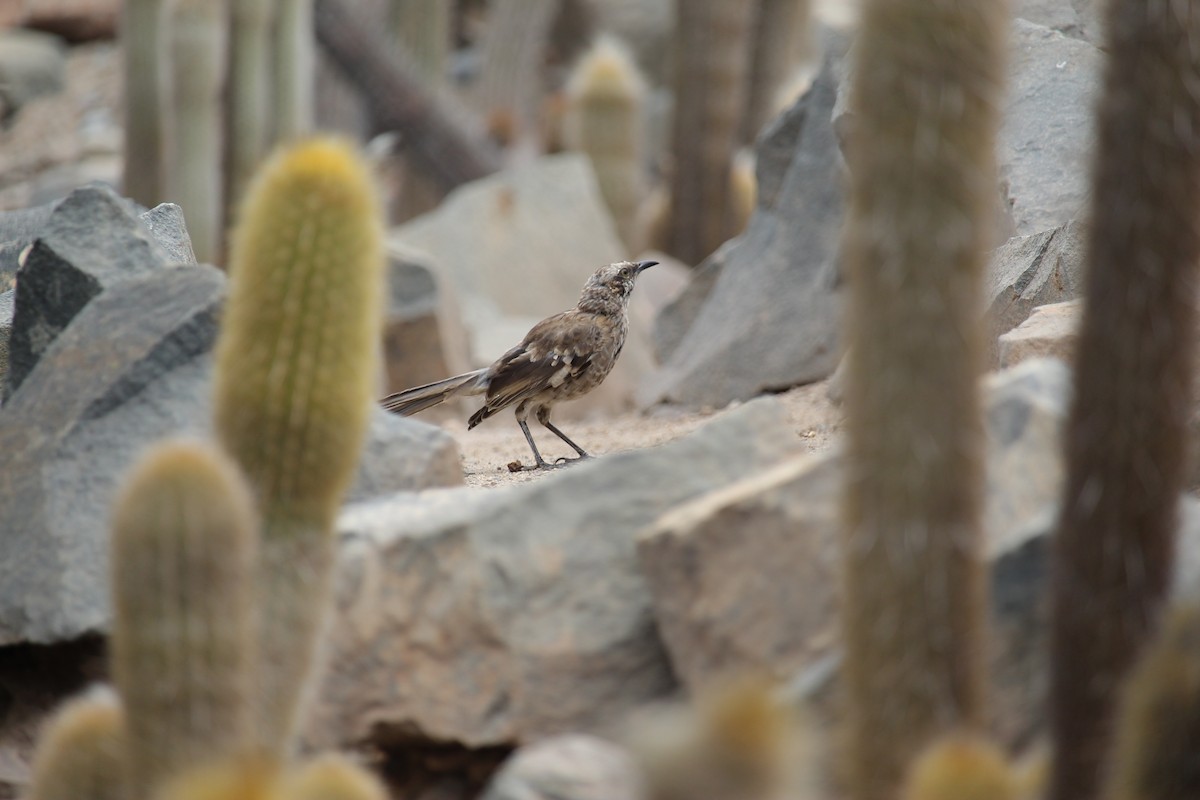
32 64
134 366
779 278
91 241
498 616
657 289
167 226
569 767
6 315
677 316
18 229
746 578
424 338
1079 19
1029 271
517 247
1045 139
1049 332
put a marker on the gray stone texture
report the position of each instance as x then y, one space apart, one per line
779 280
568 767
491 617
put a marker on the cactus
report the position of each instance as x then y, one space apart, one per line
510 83
712 51
780 41
739 742
249 96
295 371
198 38
295 70
422 28
921 192
145 75
1126 432
606 95
243 777
1160 720
333 777
182 647
961 768
79 756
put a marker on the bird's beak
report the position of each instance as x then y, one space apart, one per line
644 265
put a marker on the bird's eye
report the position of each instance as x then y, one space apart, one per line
626 272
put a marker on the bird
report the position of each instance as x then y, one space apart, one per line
562 357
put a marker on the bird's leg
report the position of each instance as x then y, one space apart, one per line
541 462
550 426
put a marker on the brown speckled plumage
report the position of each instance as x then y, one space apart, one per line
562 357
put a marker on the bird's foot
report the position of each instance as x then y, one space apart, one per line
517 466
562 462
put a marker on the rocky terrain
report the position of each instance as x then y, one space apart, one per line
480 610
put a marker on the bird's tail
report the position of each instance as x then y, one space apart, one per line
419 398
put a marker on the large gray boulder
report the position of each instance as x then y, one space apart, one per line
6 316
93 239
569 767
1030 271
1079 19
1045 139
493 617
777 283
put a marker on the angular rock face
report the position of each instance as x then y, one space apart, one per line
1050 331
6 315
778 283
570 767
1030 271
91 241
131 364
493 617
746 577
1044 143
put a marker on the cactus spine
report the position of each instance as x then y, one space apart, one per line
922 183
198 40
182 645
780 40
295 65
712 50
1124 441
333 777
144 81
606 95
79 756
1160 721
247 126
961 768
295 372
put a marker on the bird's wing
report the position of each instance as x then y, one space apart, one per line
557 349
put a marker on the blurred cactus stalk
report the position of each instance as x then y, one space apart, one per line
781 43
604 119
295 70
143 39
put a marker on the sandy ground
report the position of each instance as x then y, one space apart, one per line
488 449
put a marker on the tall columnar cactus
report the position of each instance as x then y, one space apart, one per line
333 777
712 50
510 80
198 48
1156 738
243 777
926 85
295 374
780 42
606 96
247 123
295 69
1125 451
422 28
144 79
79 756
961 768
182 642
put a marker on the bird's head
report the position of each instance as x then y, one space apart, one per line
612 284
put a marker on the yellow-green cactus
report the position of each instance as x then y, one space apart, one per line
1159 727
922 188
333 777
961 768
79 756
182 643
295 378
241 777
605 99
